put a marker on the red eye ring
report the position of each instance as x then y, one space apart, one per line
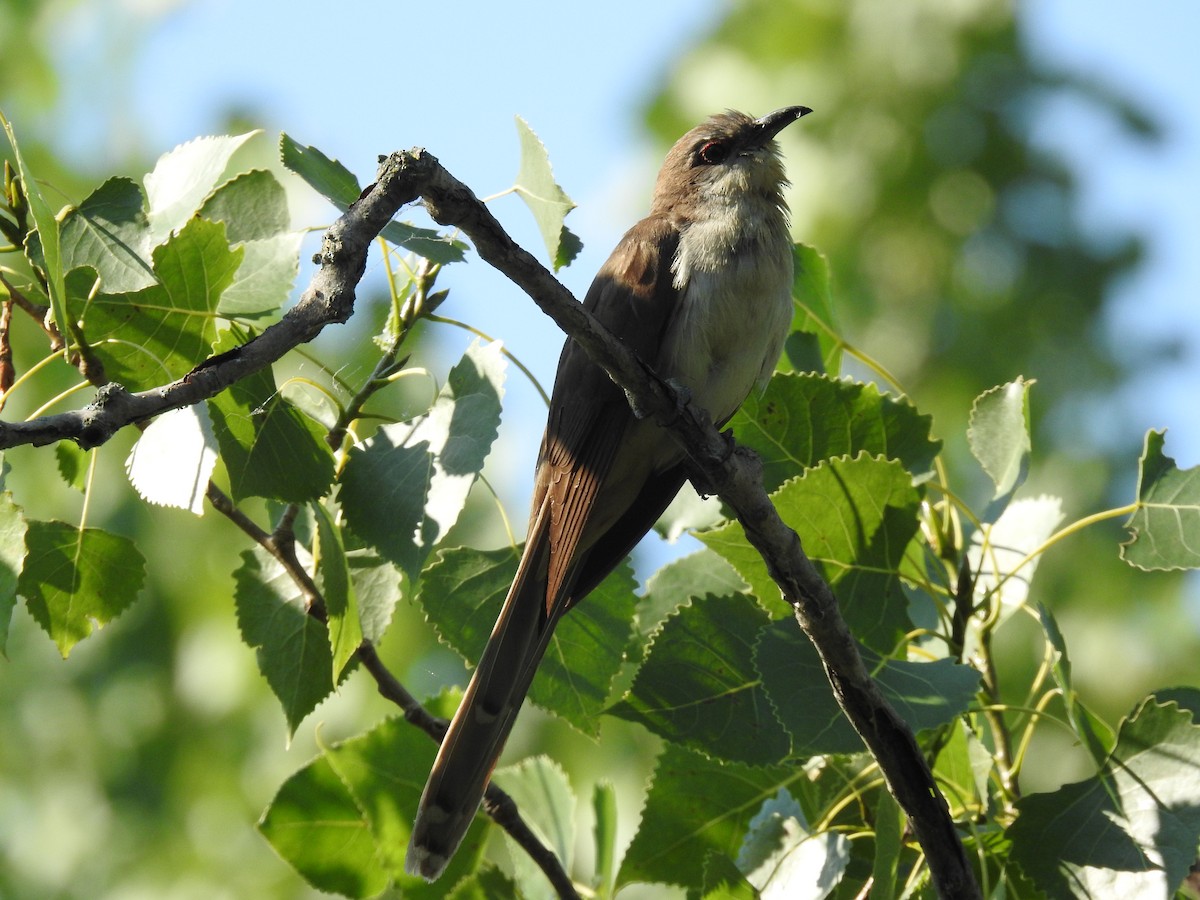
713 152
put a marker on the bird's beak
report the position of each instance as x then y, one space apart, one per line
773 123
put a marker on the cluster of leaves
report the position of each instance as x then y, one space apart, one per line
762 787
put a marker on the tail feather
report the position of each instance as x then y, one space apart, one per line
479 730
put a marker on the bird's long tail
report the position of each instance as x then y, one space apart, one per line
478 732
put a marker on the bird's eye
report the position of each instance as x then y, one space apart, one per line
713 152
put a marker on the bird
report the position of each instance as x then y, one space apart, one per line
700 289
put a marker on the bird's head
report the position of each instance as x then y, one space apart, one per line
731 155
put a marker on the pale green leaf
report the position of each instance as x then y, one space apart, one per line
543 793
547 201
813 344
173 459
265 278
999 437
12 561
781 858
183 177
604 811
252 205
1165 527
1132 829
77 580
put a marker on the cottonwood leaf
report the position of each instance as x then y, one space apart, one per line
403 488
183 177
110 233
962 769
924 694
813 344
547 201
337 587
802 418
384 771
76 580
999 438
290 646
48 251
698 686
173 459
269 448
462 592
784 860
314 824
337 184
543 793
1132 829
696 805
161 332
253 206
855 518
378 585
1165 527
12 561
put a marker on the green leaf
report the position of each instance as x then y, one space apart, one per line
404 487
999 555
291 647
543 793
264 279
924 694
384 771
999 438
698 686
333 577
77 580
1132 829
889 843
604 811
801 419
12 561
1165 527
252 205
109 232
696 805
162 332
679 581
315 826
378 585
855 518
962 769
48 235
182 179
723 881
462 592
547 201
73 463
813 344
781 857
485 884
1082 723
173 459
337 184
270 448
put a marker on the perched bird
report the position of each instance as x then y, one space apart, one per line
700 289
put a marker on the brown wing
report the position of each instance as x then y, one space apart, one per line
593 450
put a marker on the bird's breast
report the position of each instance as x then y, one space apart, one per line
735 280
